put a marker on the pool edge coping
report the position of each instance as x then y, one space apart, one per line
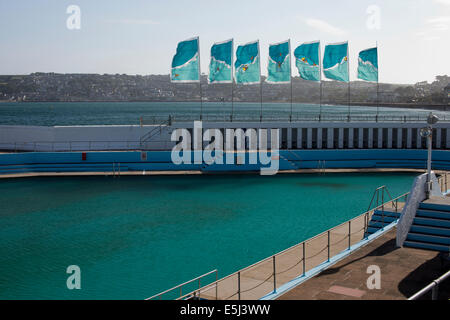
199 172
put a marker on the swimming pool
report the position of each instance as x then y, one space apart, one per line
135 236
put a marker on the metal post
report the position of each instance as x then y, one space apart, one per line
348 72
199 286
260 83
378 197
434 292
290 76
216 283
260 113
320 102
232 81
430 140
378 88
446 188
232 98
349 233
200 80
320 79
239 285
304 259
274 276
367 225
328 246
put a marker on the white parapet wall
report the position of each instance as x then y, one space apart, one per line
293 135
73 138
416 196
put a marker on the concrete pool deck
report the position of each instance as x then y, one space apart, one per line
197 172
437 200
404 271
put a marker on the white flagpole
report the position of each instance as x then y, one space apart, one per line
260 82
320 81
200 78
378 87
232 80
348 72
290 74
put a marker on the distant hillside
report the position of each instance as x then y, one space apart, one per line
107 87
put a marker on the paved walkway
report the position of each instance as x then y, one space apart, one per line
404 271
188 172
438 200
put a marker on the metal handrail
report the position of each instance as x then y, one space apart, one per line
433 286
330 117
443 181
302 244
292 163
89 145
154 131
376 192
180 286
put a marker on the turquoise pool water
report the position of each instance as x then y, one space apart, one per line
133 237
118 113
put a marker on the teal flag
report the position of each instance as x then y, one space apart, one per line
368 65
279 65
307 60
185 63
247 65
335 61
220 69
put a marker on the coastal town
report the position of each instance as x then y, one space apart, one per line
121 87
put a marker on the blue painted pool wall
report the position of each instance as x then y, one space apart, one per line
161 160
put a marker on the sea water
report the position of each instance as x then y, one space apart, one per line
127 113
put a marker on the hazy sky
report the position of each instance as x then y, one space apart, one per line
140 36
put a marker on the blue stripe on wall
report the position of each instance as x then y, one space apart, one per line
161 160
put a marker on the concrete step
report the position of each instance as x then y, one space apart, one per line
443 223
428 238
371 230
427 246
378 224
430 230
387 213
434 206
385 219
433 214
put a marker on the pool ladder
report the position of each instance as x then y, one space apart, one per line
116 169
292 162
321 166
